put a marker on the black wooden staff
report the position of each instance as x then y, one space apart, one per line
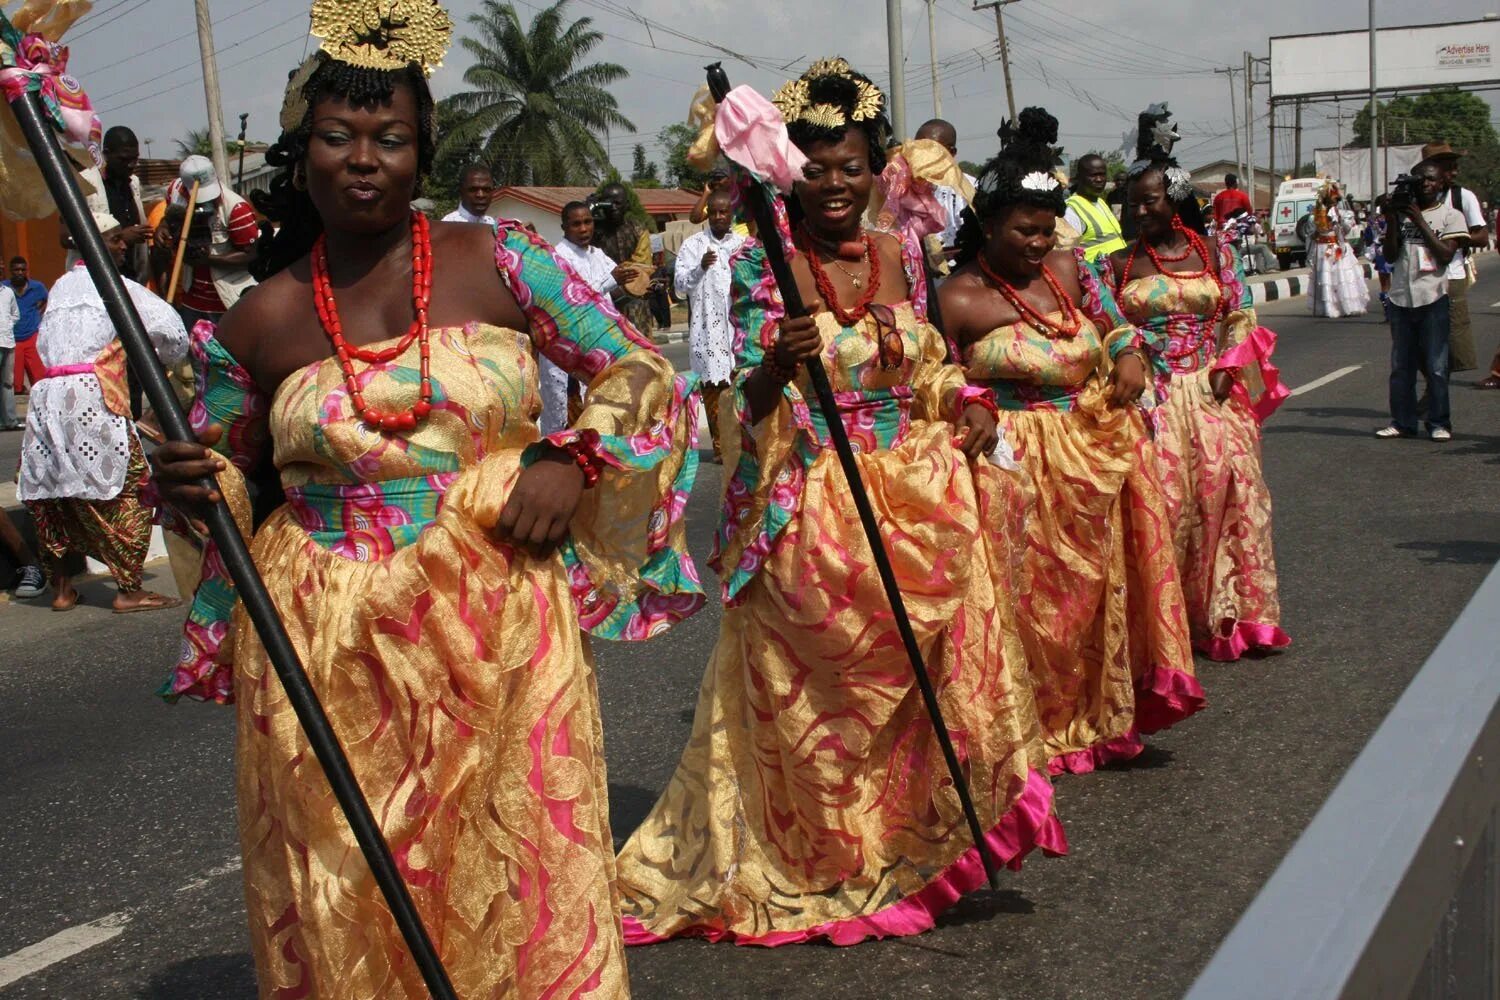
252 590
770 238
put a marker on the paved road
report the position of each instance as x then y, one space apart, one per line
118 813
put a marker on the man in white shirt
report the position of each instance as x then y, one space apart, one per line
1423 234
702 277
10 315
476 190
1460 337
594 266
944 134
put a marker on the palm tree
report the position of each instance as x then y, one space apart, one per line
195 143
536 108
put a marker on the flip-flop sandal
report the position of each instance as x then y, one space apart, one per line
156 602
77 600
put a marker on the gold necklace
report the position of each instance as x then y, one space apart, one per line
854 279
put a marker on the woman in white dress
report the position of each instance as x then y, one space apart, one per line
82 468
1339 286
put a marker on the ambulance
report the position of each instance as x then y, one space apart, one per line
1294 202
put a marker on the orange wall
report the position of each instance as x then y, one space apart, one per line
37 241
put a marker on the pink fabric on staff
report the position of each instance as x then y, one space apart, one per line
910 200
752 133
1256 349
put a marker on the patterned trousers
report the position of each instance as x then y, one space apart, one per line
117 532
711 394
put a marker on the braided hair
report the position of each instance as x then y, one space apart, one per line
832 82
290 207
1153 155
1009 179
842 91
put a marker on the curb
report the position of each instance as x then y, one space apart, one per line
663 339
1291 287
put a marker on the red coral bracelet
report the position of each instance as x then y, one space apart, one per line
586 460
986 400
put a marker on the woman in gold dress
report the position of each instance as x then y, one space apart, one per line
1100 601
812 801
1220 386
437 563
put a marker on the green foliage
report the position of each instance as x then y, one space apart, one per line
452 157
196 143
970 167
634 210
675 140
536 107
643 172
1449 115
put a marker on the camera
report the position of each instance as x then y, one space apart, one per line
603 211
1404 191
200 236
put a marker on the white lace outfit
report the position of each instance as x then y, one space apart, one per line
74 446
711 343
597 268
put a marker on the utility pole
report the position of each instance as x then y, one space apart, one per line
211 91
1010 90
1271 152
898 71
1374 115
1297 139
1234 121
937 96
1249 126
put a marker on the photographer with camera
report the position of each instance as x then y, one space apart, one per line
1423 233
628 243
221 238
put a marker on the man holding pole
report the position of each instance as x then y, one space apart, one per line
221 232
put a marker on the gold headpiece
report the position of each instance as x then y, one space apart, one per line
383 34
794 98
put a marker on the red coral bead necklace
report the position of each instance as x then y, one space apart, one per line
1071 322
421 295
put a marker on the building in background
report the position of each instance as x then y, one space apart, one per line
542 206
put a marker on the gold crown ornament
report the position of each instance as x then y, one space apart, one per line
383 34
794 99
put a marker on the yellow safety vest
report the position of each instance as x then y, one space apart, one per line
1101 230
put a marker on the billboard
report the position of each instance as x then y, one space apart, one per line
1463 54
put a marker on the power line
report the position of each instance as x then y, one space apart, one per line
197 62
193 80
93 28
156 49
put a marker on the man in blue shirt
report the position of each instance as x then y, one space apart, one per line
31 298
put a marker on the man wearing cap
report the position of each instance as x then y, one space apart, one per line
220 265
82 468
1461 356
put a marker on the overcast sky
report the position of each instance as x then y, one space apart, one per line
1093 63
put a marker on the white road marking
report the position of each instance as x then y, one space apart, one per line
60 946
198 883
1330 377
65 944
1495 305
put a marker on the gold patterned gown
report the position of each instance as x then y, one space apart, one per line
1209 452
1107 636
455 669
812 801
